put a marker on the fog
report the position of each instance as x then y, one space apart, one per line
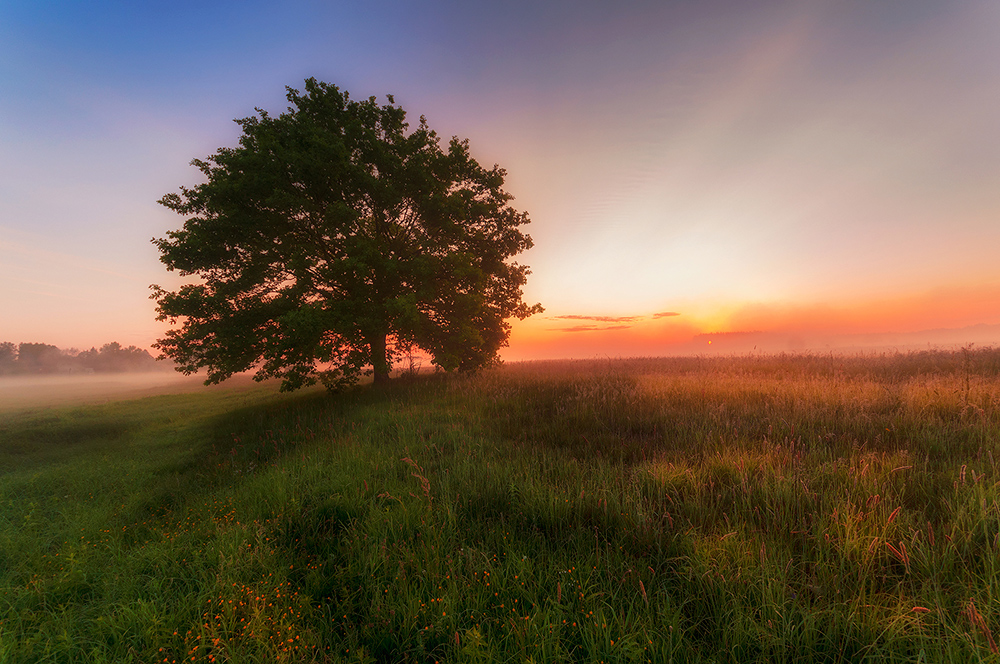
18 392
808 341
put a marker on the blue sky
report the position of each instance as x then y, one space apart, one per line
773 165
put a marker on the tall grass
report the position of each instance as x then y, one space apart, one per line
767 509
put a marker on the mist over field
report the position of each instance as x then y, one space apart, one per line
811 341
17 392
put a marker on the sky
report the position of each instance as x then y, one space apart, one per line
700 175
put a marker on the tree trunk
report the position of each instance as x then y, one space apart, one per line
376 342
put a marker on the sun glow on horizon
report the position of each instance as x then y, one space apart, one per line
954 315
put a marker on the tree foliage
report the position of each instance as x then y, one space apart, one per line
8 357
114 357
39 358
333 240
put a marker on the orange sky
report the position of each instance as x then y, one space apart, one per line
944 317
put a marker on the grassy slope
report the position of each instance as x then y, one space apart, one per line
758 509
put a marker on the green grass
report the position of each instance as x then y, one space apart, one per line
757 509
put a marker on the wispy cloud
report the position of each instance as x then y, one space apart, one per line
599 319
591 328
606 319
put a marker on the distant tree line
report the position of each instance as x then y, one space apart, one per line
35 358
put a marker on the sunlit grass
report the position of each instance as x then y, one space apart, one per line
751 509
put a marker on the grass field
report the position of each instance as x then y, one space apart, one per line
755 509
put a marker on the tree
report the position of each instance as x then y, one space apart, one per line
8 357
113 357
331 240
38 358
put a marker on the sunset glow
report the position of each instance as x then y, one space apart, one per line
708 177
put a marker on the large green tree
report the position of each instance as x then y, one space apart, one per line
335 238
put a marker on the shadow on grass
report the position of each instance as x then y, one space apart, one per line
225 450
55 437
37 441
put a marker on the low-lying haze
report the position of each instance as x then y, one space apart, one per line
18 392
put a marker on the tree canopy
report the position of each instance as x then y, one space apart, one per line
333 240
39 358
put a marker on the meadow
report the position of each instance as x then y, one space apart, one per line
798 508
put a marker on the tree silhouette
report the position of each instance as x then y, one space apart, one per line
113 357
8 357
38 358
334 238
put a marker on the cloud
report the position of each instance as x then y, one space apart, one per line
599 319
591 328
605 319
